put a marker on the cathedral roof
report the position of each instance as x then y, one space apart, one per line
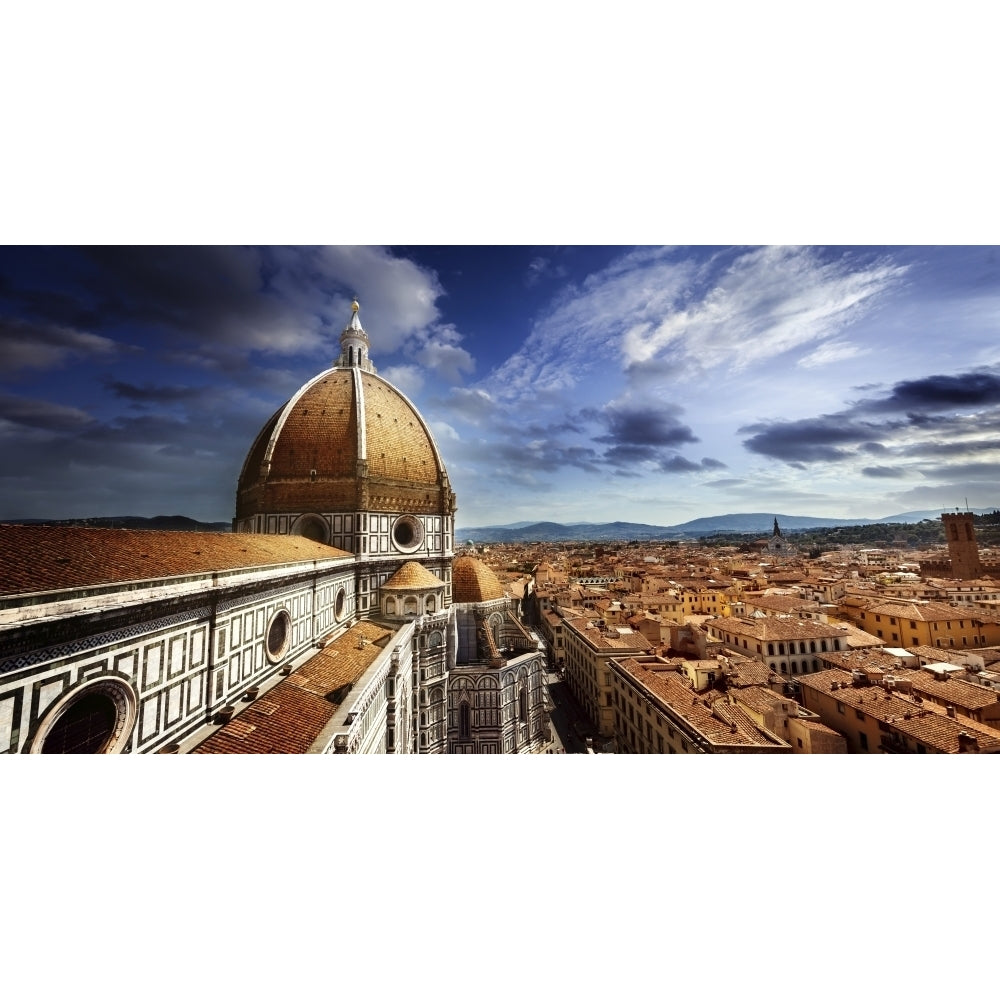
348 440
291 716
473 581
36 558
412 576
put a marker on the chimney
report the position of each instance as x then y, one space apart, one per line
967 743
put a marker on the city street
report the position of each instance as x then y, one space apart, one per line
570 726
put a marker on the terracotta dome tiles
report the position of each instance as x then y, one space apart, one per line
473 581
307 455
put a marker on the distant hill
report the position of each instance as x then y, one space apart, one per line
738 524
173 522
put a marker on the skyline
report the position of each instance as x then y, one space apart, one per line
568 384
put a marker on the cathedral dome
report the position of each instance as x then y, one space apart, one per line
348 440
473 581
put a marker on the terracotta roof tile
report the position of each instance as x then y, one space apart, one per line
673 692
40 558
952 691
771 628
928 723
290 717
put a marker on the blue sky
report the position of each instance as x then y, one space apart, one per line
562 383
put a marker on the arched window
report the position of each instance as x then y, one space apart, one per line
463 721
390 605
812 646
522 706
430 604
409 606
770 649
822 645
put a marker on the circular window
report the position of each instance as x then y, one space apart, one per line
341 603
279 631
407 533
95 717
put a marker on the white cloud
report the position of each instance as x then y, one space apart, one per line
582 332
831 352
443 431
437 348
406 378
397 296
474 406
653 308
765 303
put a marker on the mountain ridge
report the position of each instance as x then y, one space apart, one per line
742 523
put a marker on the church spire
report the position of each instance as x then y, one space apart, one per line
777 530
354 343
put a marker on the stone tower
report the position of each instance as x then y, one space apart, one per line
962 547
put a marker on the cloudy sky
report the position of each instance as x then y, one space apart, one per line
561 383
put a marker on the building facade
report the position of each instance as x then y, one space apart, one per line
329 621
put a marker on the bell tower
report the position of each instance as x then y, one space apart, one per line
962 546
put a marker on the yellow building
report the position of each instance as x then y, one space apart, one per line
589 646
926 624
880 719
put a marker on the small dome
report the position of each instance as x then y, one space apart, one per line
473 581
412 576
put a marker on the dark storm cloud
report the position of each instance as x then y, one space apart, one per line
630 454
713 463
951 448
921 404
826 438
52 455
518 455
26 345
657 427
677 463
41 415
939 392
883 472
224 301
197 288
147 394
545 459
967 470
567 426
640 434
